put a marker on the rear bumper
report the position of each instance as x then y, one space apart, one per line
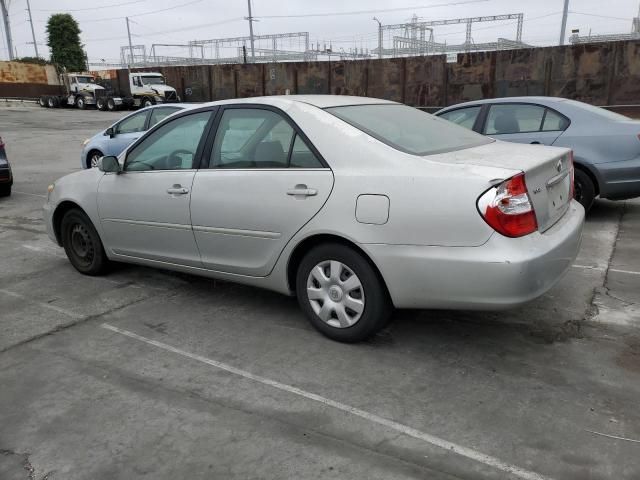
503 273
620 180
6 177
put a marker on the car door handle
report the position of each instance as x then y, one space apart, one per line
177 190
302 191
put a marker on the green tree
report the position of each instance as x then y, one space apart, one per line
64 41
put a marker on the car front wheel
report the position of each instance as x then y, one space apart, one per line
82 243
341 293
93 157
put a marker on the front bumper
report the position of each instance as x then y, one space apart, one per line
47 215
503 273
620 180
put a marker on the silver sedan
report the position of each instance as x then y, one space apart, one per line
355 205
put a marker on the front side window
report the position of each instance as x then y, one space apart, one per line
172 146
408 129
133 123
465 117
514 118
85 80
257 138
160 113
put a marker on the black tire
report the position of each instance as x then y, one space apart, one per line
146 102
80 103
101 104
372 292
42 101
82 244
111 104
584 189
52 102
93 154
5 190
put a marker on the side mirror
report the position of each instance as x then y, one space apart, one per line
109 164
110 131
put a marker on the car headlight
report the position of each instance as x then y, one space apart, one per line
84 144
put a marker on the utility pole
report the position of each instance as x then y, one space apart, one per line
250 18
130 45
563 28
33 33
379 37
7 27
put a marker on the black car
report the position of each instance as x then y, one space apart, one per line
6 178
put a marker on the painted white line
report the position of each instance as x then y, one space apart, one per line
614 436
588 267
409 431
30 194
629 272
48 306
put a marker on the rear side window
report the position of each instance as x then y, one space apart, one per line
553 121
514 118
258 138
408 129
465 117
132 124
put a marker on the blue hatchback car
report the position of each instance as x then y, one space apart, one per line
606 145
113 140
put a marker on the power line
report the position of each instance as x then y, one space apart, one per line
92 8
599 16
362 12
93 20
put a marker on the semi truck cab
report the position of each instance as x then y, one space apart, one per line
150 87
82 89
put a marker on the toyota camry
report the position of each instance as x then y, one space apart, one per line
355 205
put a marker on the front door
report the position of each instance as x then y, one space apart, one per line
144 210
264 182
126 132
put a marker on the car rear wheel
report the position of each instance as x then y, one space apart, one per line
93 157
5 190
584 189
341 293
82 243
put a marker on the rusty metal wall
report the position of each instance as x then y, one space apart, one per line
29 90
19 72
601 74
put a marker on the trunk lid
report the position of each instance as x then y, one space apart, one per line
547 171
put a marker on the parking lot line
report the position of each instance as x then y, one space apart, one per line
628 272
404 429
48 306
31 194
588 267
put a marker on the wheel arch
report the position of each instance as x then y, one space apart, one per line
87 159
312 241
58 215
577 163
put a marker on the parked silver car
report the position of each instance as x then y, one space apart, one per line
353 204
606 145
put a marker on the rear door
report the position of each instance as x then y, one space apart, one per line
524 123
263 182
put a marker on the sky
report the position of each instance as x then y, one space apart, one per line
332 22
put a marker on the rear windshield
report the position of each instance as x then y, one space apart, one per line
408 129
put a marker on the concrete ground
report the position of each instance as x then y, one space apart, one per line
150 374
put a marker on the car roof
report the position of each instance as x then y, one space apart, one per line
532 99
320 101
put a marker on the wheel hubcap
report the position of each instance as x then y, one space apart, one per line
335 294
81 243
94 160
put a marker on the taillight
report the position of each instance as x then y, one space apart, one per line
507 208
572 173
1 142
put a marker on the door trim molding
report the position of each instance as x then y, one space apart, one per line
237 232
143 223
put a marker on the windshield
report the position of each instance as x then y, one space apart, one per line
85 80
408 129
152 80
602 112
